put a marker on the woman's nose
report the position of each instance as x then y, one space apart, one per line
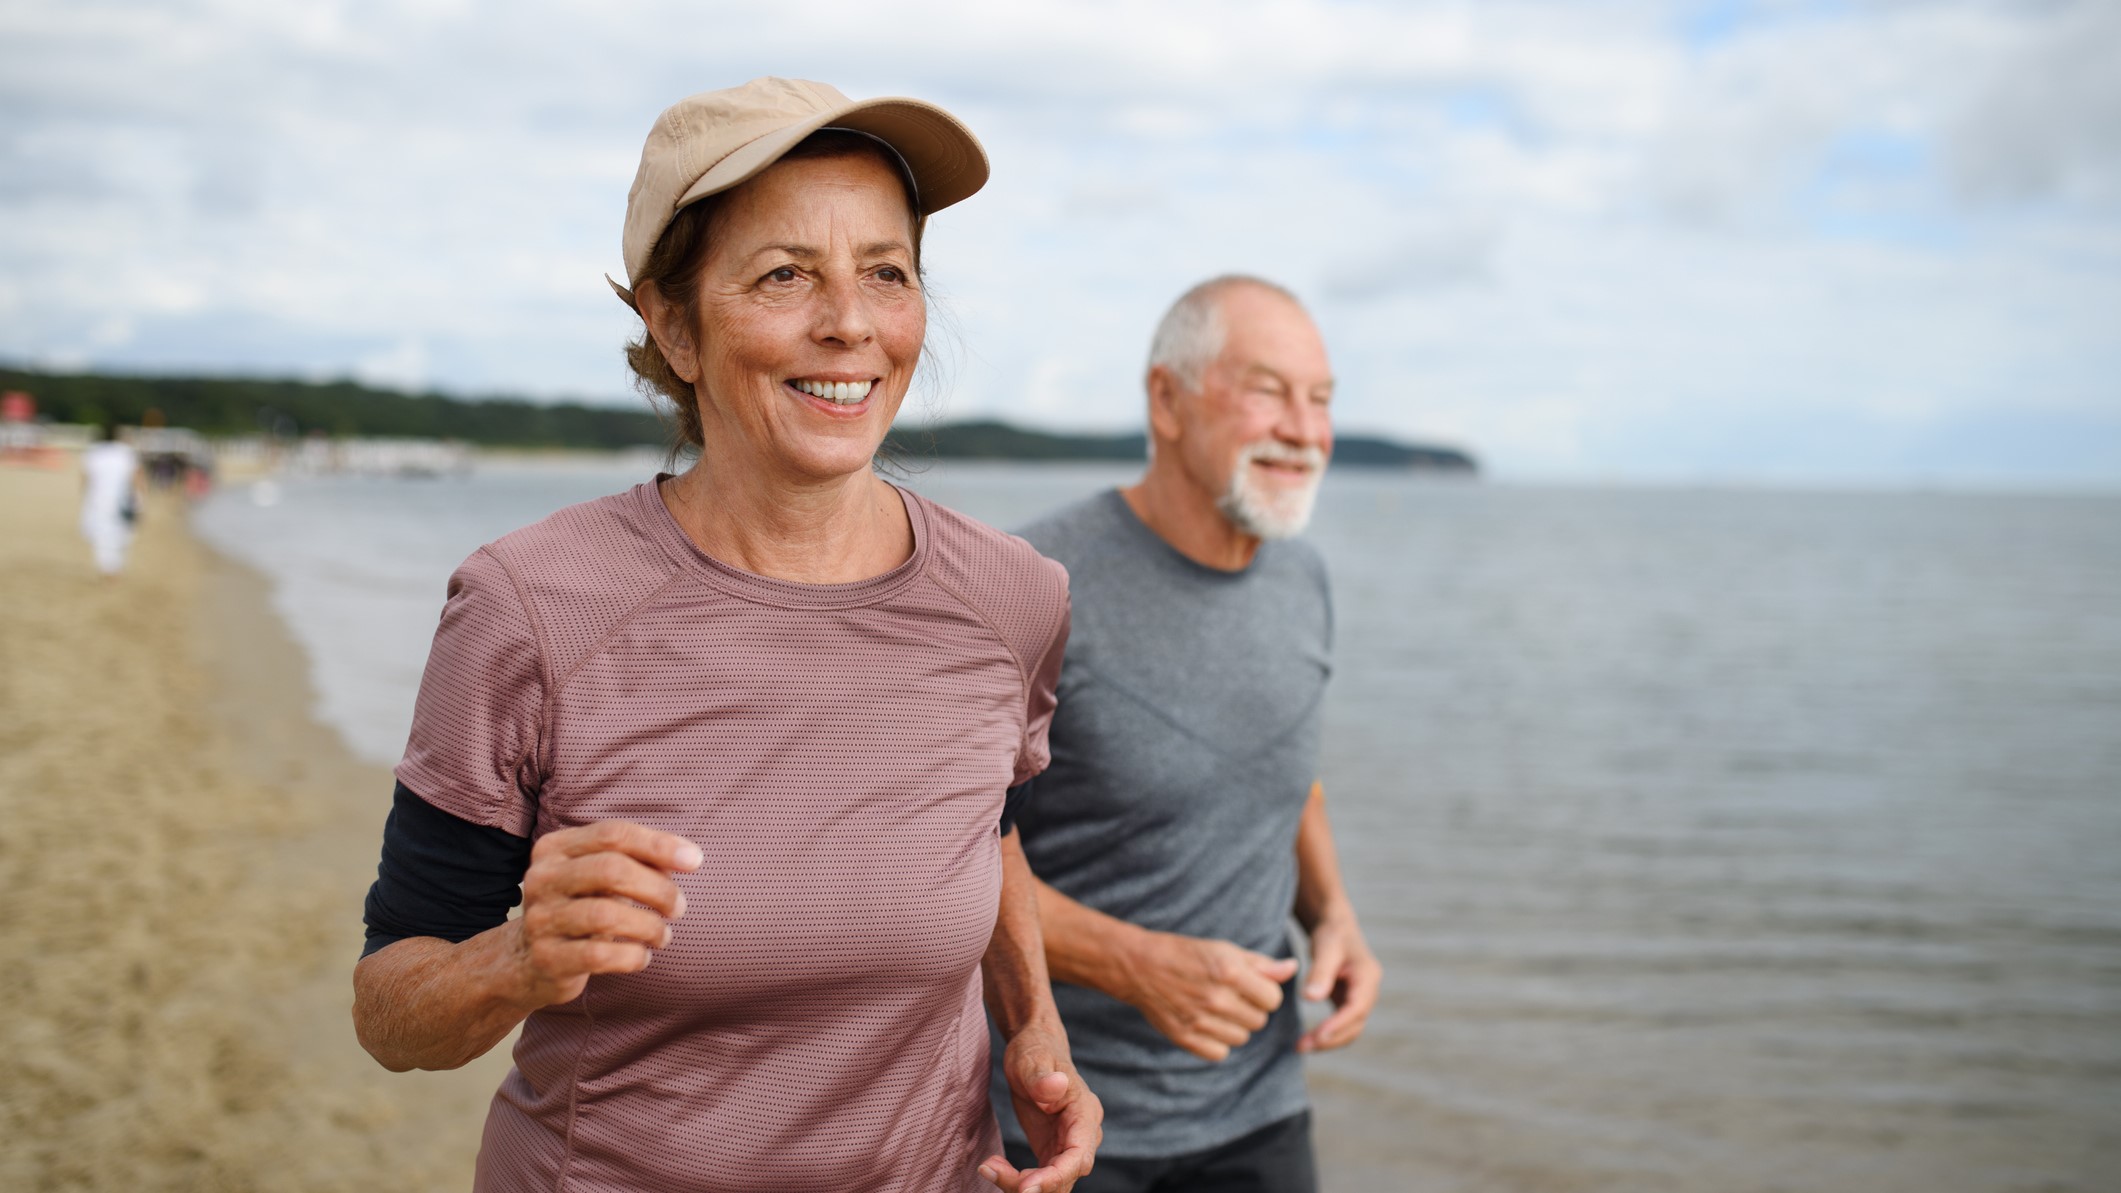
843 316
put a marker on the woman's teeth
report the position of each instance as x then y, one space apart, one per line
839 393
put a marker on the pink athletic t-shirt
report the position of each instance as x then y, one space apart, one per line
840 753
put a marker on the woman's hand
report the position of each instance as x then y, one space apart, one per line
1062 1119
597 899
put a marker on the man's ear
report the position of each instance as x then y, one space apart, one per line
1165 393
671 332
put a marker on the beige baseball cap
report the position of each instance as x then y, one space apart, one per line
710 142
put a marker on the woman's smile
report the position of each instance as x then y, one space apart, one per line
836 394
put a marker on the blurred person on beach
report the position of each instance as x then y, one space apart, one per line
110 498
1181 823
754 723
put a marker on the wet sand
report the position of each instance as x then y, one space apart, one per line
184 853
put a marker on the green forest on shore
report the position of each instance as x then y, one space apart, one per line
223 406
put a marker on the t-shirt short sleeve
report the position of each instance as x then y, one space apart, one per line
474 747
1036 752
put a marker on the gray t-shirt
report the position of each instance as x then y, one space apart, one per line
1184 747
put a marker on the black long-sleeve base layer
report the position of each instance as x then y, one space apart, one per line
443 876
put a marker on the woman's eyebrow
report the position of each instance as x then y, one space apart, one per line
804 252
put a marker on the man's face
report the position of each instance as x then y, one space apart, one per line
1258 432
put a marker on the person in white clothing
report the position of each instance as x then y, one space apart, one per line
110 498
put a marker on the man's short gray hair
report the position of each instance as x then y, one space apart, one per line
1192 332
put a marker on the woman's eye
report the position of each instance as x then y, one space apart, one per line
785 273
890 273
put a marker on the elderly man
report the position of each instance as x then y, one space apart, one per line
1181 822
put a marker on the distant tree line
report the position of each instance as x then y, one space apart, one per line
247 406
997 440
252 406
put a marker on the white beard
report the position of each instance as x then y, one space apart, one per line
1277 512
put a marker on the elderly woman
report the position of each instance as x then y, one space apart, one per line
753 724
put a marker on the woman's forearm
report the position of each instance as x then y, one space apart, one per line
1060 1117
1014 968
425 1003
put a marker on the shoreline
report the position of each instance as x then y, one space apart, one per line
427 1126
187 850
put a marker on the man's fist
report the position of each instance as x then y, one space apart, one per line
1208 996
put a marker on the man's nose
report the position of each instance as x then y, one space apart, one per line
1305 423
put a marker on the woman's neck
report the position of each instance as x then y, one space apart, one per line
835 531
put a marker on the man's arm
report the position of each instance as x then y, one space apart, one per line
1342 965
1207 996
1060 1116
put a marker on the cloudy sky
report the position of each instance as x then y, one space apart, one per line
1862 243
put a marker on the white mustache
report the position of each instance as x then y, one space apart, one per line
1273 451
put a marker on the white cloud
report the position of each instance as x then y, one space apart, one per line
1558 233
402 366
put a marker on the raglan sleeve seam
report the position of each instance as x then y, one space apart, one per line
541 653
1034 750
451 691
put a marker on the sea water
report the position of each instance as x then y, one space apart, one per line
1712 840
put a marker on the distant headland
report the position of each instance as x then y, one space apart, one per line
229 406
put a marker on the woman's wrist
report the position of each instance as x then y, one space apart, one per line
1042 1019
513 982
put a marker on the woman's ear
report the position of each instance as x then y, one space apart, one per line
671 331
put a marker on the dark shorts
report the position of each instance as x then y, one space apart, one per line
1274 1159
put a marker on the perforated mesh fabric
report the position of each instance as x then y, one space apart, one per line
839 752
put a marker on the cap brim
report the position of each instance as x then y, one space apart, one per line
947 161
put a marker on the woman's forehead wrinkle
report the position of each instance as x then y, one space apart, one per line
819 214
852 230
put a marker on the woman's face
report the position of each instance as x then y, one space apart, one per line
810 317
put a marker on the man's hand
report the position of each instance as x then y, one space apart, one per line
1344 969
1062 1119
597 899
1208 996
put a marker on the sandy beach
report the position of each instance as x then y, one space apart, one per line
185 853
